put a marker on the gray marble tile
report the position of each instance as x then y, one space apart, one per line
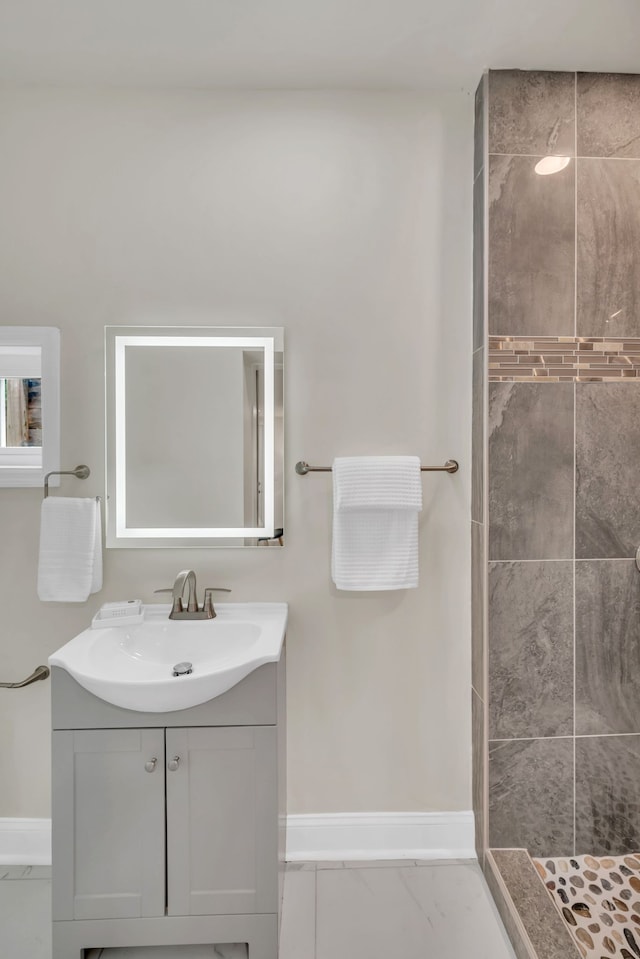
477 438
444 911
530 650
478 260
607 470
607 647
531 248
531 796
478 126
532 112
298 930
478 734
478 639
608 115
607 795
530 471
547 932
608 271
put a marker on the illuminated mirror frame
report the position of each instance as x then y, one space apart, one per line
47 340
117 340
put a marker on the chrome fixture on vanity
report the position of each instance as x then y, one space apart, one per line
187 577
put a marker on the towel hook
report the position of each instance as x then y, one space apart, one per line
80 471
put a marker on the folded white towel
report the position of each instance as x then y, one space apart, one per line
375 522
70 561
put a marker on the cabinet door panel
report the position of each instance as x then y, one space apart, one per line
222 821
108 824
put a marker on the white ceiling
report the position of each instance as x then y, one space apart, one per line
310 43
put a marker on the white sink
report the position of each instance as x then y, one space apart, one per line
132 666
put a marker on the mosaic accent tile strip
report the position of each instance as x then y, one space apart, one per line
556 359
599 900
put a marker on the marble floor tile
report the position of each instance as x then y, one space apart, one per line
607 647
298 930
531 112
444 912
25 872
607 115
370 910
530 650
25 919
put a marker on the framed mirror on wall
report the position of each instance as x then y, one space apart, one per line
29 405
195 436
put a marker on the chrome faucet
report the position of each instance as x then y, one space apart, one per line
187 577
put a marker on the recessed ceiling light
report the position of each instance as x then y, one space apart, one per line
548 165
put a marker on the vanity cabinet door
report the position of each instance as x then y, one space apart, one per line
108 823
222 820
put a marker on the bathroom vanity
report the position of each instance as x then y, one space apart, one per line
169 826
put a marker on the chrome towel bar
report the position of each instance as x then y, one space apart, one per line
80 471
40 672
451 466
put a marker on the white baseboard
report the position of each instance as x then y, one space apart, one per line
350 836
25 842
400 835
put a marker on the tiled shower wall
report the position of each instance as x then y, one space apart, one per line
557 397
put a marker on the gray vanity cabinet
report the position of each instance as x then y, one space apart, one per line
221 821
111 813
169 831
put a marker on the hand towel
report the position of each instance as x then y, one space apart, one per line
70 560
376 501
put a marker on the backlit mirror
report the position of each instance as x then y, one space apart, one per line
29 404
194 436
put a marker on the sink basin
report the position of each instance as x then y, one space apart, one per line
132 666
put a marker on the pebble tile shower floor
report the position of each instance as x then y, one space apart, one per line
599 900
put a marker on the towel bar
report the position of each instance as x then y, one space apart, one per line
80 471
451 466
40 672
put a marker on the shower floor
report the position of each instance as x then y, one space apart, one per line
599 900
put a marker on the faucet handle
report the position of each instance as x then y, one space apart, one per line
177 604
207 605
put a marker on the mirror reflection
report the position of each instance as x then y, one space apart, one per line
29 404
20 412
195 430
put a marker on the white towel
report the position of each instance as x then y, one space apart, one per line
70 561
376 501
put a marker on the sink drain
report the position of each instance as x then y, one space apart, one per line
182 669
